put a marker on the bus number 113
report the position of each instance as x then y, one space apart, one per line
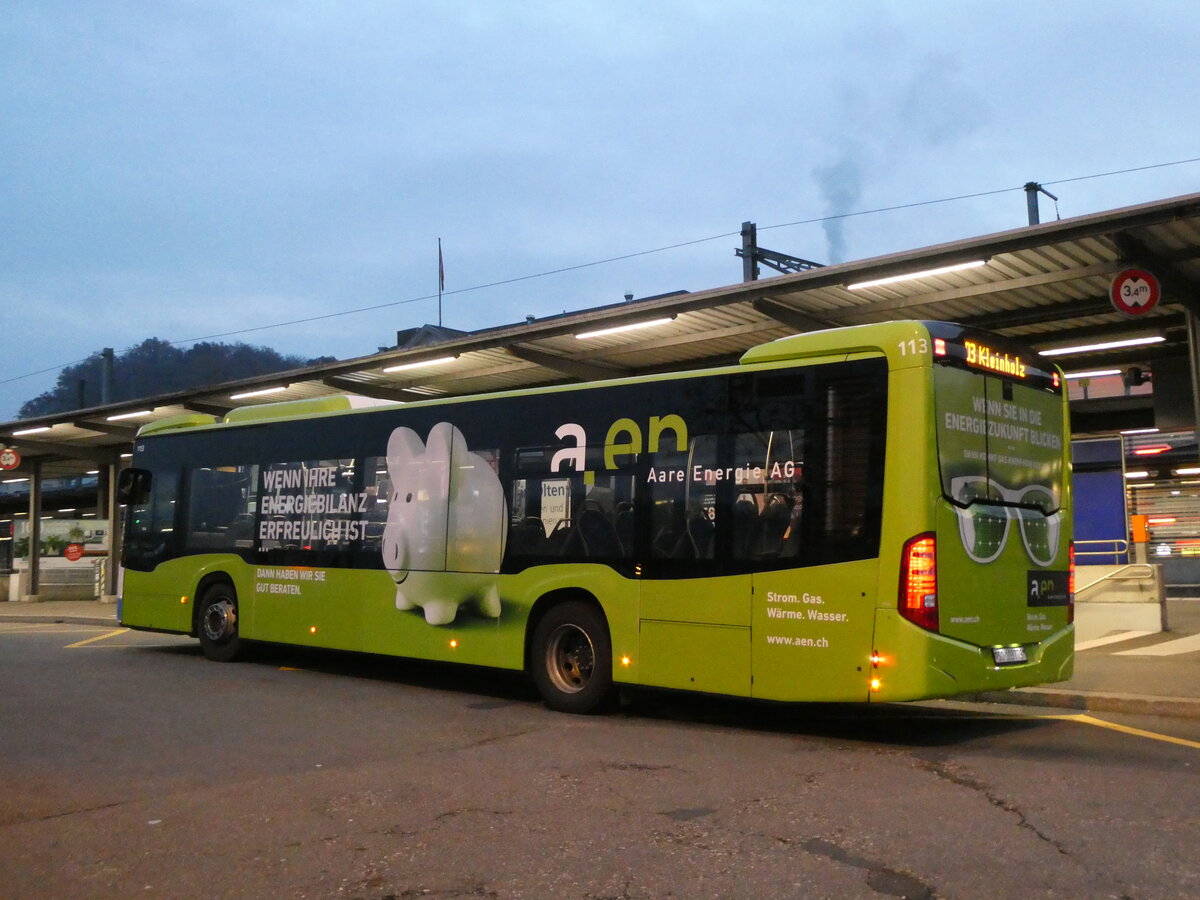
914 347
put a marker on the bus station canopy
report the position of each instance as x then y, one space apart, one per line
1047 284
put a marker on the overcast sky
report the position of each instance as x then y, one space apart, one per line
184 169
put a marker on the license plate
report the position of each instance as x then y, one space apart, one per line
1007 656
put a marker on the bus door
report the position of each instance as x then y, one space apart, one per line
814 549
694 603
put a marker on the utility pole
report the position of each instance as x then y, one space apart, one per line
1032 189
749 251
106 376
752 255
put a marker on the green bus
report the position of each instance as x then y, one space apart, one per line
874 513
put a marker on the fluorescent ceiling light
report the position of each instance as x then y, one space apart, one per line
14 480
262 392
130 415
1098 373
425 362
617 329
37 430
1140 431
1139 474
1106 345
1189 471
941 270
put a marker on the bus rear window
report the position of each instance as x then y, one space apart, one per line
998 441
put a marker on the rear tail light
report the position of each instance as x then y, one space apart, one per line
918 582
1071 585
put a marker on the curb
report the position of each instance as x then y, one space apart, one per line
1135 704
64 620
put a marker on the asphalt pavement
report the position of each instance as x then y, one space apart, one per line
1129 672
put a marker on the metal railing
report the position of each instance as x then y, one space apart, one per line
1129 572
1110 548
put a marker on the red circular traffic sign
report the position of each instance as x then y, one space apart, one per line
9 458
1134 292
73 552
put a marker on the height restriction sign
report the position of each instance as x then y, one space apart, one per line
1134 292
9 458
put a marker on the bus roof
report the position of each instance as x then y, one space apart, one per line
883 338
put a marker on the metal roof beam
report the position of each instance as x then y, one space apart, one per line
64 450
1120 358
584 371
207 407
1114 330
980 290
789 315
125 431
377 391
1038 315
692 337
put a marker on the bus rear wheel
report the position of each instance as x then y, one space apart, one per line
218 623
571 658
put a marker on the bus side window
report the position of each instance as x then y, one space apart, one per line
377 492
569 515
686 492
133 486
853 461
150 530
311 512
770 504
221 505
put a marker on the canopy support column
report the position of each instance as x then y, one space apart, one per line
108 590
32 592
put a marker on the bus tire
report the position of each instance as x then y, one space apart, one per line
217 623
571 658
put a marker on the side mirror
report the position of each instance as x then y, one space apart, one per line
133 486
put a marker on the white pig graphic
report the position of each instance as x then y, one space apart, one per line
446 525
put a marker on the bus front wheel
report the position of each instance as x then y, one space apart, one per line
218 623
572 658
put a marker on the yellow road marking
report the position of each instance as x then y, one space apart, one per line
1085 719
1082 719
99 637
35 627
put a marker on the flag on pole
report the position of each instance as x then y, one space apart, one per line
441 281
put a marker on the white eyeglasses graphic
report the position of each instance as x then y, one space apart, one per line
983 525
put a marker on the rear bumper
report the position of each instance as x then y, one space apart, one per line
916 664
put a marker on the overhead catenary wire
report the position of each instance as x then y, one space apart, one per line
675 246
622 257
